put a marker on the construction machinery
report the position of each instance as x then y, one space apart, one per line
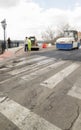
68 41
34 45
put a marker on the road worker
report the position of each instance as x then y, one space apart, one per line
26 44
29 44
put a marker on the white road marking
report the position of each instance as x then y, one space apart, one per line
44 70
23 118
31 60
76 90
4 68
77 125
30 67
58 77
28 77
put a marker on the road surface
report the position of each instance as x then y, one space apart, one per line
41 91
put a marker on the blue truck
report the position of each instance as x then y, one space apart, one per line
68 41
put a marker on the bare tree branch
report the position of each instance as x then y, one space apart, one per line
48 35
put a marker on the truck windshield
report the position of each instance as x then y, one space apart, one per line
68 34
32 39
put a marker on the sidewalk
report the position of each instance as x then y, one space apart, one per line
16 51
10 52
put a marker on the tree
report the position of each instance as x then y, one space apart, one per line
62 28
48 35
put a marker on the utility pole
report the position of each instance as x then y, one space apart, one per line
3 23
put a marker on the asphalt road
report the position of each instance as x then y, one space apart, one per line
41 91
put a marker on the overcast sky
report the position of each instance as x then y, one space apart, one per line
31 17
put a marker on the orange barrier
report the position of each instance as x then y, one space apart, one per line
44 45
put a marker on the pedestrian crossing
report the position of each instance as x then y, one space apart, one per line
42 71
57 78
76 89
22 117
31 67
31 60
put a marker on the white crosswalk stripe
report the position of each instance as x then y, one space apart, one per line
76 89
31 60
41 62
44 70
23 118
31 67
58 77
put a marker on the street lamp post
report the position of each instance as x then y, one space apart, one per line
3 23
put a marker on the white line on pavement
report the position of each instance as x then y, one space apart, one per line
44 70
58 77
76 90
31 60
23 118
31 67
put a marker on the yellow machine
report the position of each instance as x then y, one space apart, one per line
34 45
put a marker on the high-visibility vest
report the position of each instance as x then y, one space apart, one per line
29 44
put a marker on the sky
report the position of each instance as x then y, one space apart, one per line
32 17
